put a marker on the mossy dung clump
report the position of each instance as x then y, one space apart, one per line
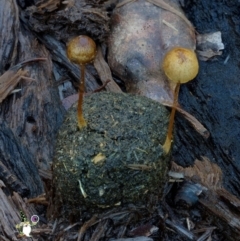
116 159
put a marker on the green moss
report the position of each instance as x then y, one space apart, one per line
117 159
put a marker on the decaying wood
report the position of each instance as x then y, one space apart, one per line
47 6
8 81
215 200
86 225
17 164
7 225
9 16
28 112
105 72
143 230
226 214
73 17
213 99
10 207
205 172
29 118
41 199
99 231
12 181
47 231
11 78
45 174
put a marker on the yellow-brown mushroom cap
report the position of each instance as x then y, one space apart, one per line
81 50
180 65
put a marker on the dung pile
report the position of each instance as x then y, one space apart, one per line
116 159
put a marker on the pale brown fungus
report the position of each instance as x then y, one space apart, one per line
81 50
180 66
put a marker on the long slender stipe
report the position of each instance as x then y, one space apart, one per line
81 50
81 121
168 141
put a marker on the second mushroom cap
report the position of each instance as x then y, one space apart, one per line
180 65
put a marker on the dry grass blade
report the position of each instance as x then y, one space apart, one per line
124 2
47 6
71 226
141 167
97 12
41 199
8 81
166 6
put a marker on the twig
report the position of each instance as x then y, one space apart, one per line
194 122
86 225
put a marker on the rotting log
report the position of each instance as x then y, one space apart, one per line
214 96
87 17
34 113
203 189
10 206
29 119
9 15
18 167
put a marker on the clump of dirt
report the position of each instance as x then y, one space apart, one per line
117 159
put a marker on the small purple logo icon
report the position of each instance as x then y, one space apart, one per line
34 219
24 228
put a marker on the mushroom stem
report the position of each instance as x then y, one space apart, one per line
81 50
168 141
81 121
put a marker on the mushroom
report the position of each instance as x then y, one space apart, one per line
81 50
180 65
